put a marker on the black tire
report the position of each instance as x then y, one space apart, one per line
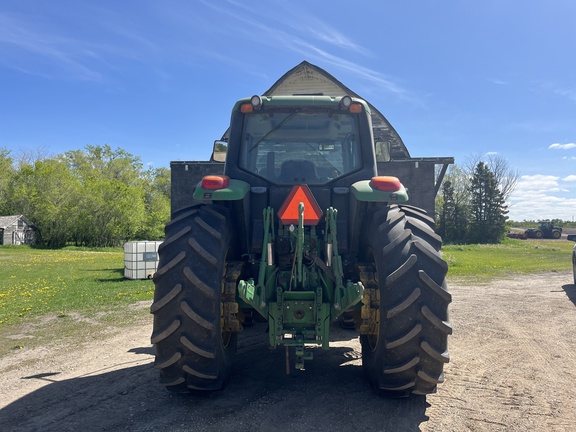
192 352
556 234
408 348
538 234
574 267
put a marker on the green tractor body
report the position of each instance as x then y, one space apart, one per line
301 231
545 229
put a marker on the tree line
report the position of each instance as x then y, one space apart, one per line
534 224
95 197
471 207
100 197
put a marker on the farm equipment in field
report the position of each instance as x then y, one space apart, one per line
301 231
545 229
517 235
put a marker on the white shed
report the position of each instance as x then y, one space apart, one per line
16 230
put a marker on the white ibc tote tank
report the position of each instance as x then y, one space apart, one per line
140 259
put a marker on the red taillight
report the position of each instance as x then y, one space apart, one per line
214 182
356 108
246 108
386 183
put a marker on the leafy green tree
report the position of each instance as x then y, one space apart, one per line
487 207
92 197
557 222
156 184
112 208
46 193
446 208
6 175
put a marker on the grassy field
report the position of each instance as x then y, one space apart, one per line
512 257
39 281
71 295
35 282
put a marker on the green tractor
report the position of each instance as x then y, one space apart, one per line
546 229
300 231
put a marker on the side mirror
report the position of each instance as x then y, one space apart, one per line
219 151
382 151
572 237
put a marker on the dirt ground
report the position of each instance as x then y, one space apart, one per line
512 368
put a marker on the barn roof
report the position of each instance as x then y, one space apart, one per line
307 78
6 221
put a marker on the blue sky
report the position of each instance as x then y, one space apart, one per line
158 79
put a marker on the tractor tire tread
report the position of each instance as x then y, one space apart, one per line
408 353
192 353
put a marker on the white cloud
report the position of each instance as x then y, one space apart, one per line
537 182
543 208
37 42
560 90
497 81
273 30
569 93
562 146
541 196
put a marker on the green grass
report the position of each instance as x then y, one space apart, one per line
54 296
37 282
41 281
512 257
62 296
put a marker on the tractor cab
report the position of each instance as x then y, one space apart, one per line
301 231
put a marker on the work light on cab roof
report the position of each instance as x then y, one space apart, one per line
347 104
255 102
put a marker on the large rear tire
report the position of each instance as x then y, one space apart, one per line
192 350
407 347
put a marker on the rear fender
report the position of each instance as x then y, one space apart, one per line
236 190
363 191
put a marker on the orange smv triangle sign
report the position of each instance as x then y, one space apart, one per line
288 214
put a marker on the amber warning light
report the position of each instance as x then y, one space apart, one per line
215 182
386 183
288 214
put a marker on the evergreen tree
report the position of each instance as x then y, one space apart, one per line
453 217
488 207
505 175
453 206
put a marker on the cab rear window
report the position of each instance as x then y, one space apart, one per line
300 147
